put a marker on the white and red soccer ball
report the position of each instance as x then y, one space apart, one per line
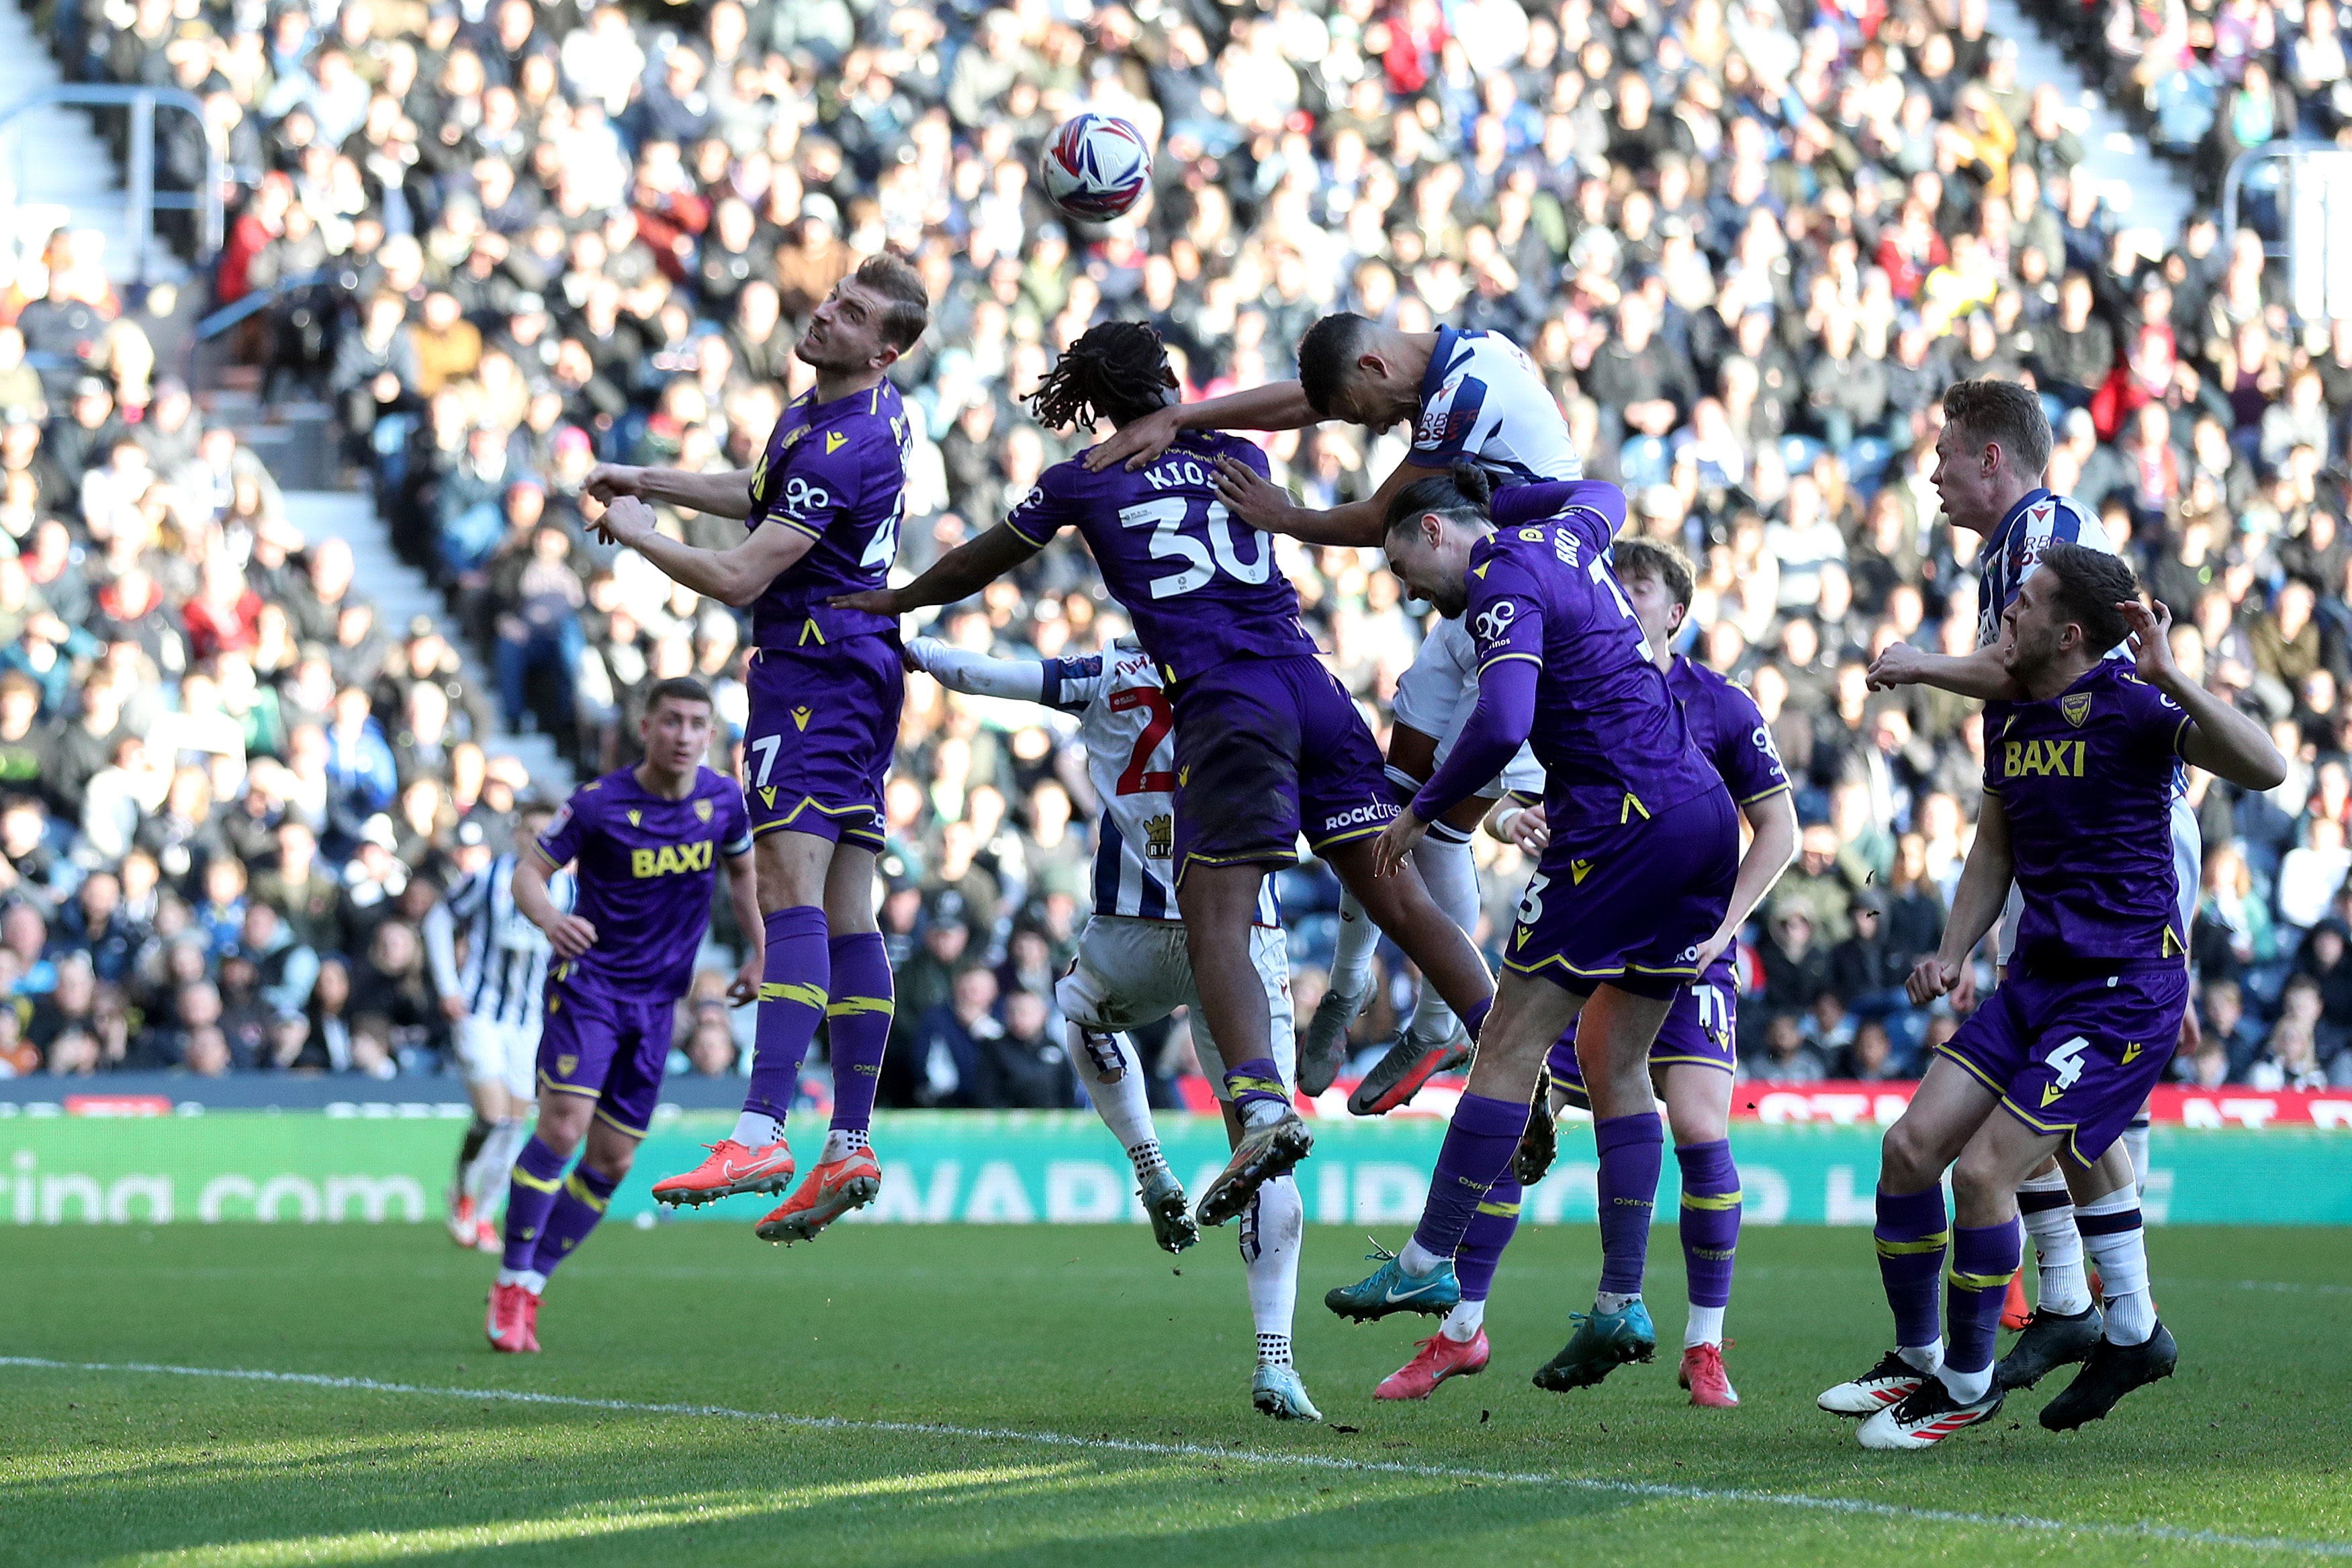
1095 167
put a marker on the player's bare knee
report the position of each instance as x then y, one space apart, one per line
1909 1158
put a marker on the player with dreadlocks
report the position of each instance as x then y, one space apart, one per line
1268 744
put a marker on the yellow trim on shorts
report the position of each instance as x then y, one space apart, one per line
806 801
1695 1062
1263 857
1945 1050
616 1124
547 1083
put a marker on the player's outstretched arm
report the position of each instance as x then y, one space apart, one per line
743 897
735 577
569 934
1976 905
2218 738
1979 675
727 494
1265 505
957 575
1498 726
1277 405
977 674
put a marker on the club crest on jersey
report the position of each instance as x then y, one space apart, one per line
702 809
1159 836
2076 708
793 437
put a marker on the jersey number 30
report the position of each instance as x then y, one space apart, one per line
1164 515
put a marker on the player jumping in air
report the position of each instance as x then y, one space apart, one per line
1693 1060
1989 458
1635 883
1268 742
493 997
647 841
2079 785
1473 395
823 509
1132 968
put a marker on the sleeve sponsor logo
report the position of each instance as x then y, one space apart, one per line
1492 624
801 497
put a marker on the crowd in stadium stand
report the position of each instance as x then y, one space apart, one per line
1748 242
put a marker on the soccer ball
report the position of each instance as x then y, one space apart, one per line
1095 167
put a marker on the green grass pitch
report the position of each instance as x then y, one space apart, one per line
1015 1338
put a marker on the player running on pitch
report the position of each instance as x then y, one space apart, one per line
1473 395
1693 1060
1132 968
2077 806
1989 459
1268 742
1643 856
647 841
493 998
823 509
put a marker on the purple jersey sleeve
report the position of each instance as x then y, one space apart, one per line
1497 727
565 830
1047 510
735 825
1593 510
1743 750
1504 615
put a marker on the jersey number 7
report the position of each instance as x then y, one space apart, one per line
1139 778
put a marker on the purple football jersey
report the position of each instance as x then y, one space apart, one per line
1612 739
2085 780
646 864
1731 733
836 472
1201 587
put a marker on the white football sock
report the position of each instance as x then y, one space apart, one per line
2122 1256
1452 878
1351 958
487 1175
757 1130
1121 1101
840 1143
1417 1259
1925 1358
1610 1303
1272 1229
2136 1146
1463 1324
1264 1112
2057 1246
1705 1327
530 1280
1967 1387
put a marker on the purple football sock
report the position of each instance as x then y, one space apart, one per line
1476 1019
1632 1152
1911 1233
1476 1155
1257 1081
858 1025
1984 1257
577 1209
1482 1245
532 1187
1710 1218
793 985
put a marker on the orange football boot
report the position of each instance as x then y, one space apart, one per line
832 1190
731 1168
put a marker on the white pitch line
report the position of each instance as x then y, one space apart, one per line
2141 1531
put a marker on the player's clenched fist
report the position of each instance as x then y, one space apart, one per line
608 482
1931 978
1898 665
627 522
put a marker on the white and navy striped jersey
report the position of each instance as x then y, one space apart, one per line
504 972
1129 730
1482 398
2015 549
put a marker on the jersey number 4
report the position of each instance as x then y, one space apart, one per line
1138 777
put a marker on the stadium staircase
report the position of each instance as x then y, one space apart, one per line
401 593
54 166
2145 191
